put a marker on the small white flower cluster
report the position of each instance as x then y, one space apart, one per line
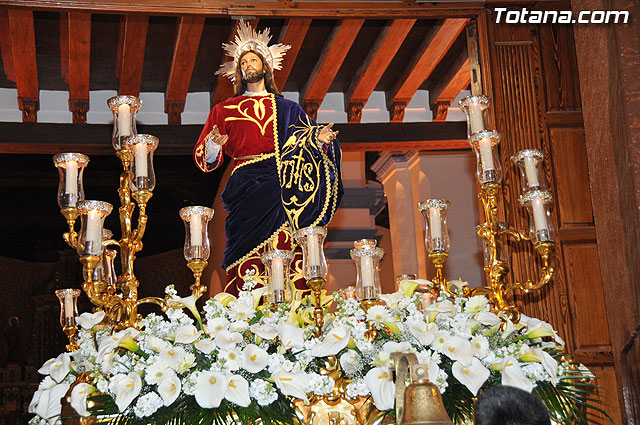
244 353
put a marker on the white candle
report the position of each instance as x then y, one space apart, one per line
531 172
314 250
366 264
539 215
277 279
436 225
475 117
486 156
141 159
71 178
94 227
124 120
68 306
195 227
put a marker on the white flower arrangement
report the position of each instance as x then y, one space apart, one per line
250 360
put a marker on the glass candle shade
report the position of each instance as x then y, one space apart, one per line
70 170
124 110
489 169
401 278
538 204
530 163
196 222
348 292
314 263
367 258
436 236
93 214
475 108
141 148
277 264
103 269
68 306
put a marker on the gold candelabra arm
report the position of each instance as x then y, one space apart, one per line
546 252
93 289
142 197
71 214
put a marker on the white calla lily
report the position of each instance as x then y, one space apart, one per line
169 389
238 391
125 388
379 382
257 295
397 347
210 389
79 395
459 349
224 298
291 336
471 375
333 343
487 318
513 375
226 340
46 400
349 357
264 331
172 357
45 369
205 345
186 334
109 343
446 307
254 358
392 299
186 302
548 363
60 367
89 320
423 332
290 383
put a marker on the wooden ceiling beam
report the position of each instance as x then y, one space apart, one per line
427 56
5 46
292 34
373 67
130 63
79 60
336 48
64 46
47 138
184 59
222 86
23 47
269 8
448 87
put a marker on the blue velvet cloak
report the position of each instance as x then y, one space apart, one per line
300 186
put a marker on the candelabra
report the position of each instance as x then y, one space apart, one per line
535 197
117 295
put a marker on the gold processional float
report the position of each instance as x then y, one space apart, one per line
418 401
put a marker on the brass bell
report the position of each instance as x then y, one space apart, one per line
423 405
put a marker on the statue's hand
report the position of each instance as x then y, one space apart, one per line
216 137
326 134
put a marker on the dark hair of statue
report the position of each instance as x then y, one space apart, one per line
505 405
240 86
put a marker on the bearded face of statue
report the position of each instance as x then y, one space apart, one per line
251 67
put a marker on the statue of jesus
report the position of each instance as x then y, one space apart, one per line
286 173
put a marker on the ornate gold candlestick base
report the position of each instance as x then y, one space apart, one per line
71 331
438 259
71 214
316 284
197 266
